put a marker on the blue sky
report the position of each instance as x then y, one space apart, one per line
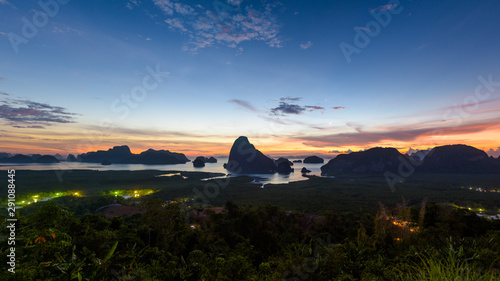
276 71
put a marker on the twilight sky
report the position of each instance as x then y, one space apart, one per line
296 77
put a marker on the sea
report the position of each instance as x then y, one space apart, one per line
262 179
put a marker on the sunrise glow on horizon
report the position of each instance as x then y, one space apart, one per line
191 77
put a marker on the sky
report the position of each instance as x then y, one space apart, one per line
295 77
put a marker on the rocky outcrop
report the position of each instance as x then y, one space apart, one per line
305 171
199 162
71 158
59 157
211 159
282 159
284 168
244 158
297 161
459 158
375 160
314 159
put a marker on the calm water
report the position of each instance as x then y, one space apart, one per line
209 168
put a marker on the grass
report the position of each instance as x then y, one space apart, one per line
433 269
454 266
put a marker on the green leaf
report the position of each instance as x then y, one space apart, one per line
110 253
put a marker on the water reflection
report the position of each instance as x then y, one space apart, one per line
187 167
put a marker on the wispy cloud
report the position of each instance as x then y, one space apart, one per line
228 27
386 7
290 99
338 107
171 6
132 3
314 107
63 29
4 2
29 114
30 127
176 24
404 133
288 105
285 121
341 151
244 104
305 46
286 108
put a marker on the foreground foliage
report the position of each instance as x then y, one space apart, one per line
255 243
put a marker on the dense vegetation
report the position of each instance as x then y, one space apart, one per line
255 243
319 229
314 195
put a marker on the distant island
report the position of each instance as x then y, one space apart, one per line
123 155
314 159
26 159
244 158
458 158
200 161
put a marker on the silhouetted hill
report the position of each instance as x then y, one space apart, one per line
459 158
59 157
123 155
4 155
284 168
71 158
244 158
18 158
210 159
152 156
116 154
283 159
199 162
47 159
35 156
375 160
314 159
